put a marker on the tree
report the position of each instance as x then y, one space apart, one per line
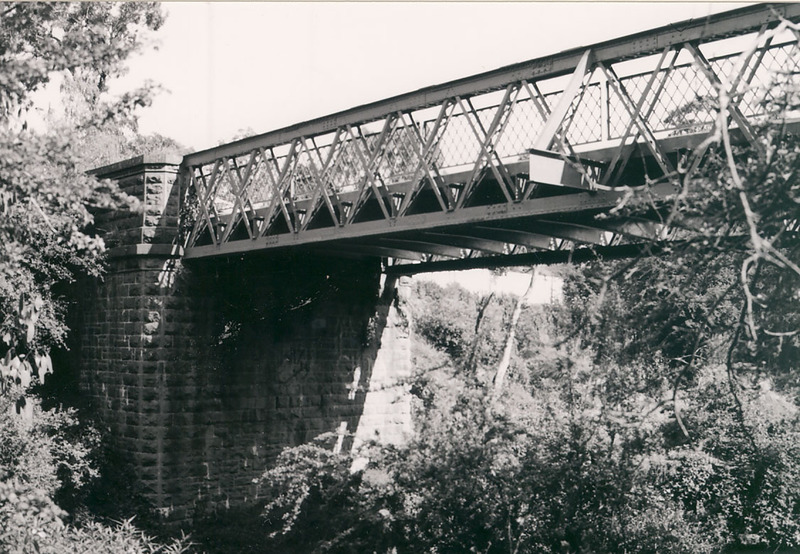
46 201
103 133
45 196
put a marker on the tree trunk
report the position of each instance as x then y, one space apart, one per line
502 369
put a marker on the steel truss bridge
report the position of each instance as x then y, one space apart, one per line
510 166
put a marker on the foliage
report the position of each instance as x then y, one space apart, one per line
659 304
477 481
457 334
50 450
581 453
45 196
42 38
49 464
749 473
31 522
453 334
48 459
655 411
104 133
319 493
740 202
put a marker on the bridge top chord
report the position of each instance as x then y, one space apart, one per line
515 161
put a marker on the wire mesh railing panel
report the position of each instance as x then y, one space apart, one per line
781 65
346 169
619 119
685 102
399 157
587 121
301 179
523 125
260 189
457 145
224 194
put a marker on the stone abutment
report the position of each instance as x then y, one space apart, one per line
204 371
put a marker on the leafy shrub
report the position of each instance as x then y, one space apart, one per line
31 522
510 477
319 502
50 466
48 449
445 316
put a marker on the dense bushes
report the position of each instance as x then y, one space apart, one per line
50 483
581 453
446 318
31 522
49 450
48 459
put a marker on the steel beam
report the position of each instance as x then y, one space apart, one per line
509 236
569 231
454 238
549 257
377 251
418 244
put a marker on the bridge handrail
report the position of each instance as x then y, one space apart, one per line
714 27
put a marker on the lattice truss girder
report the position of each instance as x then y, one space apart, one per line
472 150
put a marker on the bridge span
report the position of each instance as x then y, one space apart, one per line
255 303
516 162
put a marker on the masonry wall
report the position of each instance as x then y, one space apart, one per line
204 372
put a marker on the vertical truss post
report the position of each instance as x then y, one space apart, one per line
336 145
199 223
605 117
557 115
291 185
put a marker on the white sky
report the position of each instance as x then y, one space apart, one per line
229 66
546 288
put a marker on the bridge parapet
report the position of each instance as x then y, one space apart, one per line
380 179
